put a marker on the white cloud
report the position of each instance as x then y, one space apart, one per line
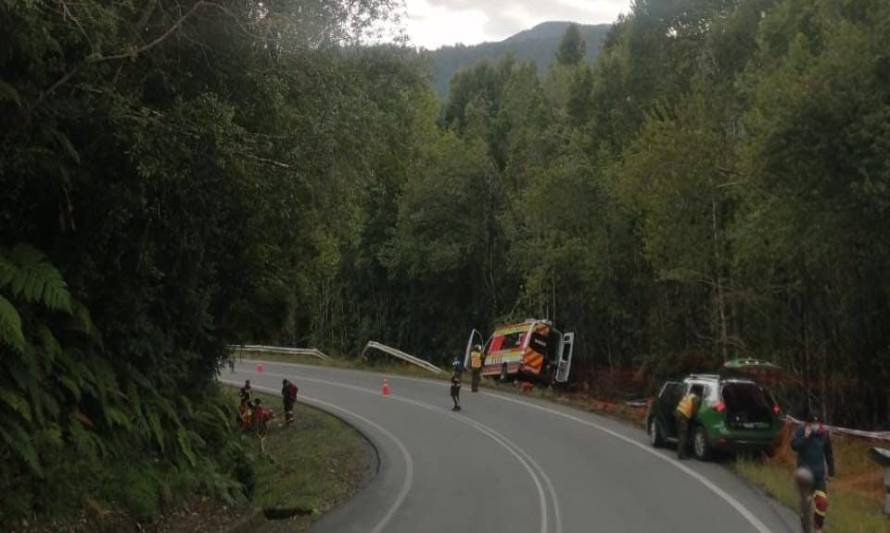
433 23
431 26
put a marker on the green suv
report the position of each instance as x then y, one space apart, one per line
736 414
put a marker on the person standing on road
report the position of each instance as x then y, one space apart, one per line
686 410
476 366
455 390
815 466
289 398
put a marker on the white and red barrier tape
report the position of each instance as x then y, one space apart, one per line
878 435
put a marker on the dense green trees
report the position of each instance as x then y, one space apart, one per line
194 172
714 188
178 177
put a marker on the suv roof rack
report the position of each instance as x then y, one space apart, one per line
704 376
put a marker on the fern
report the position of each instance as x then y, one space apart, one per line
185 446
157 431
32 278
18 440
16 402
72 387
10 325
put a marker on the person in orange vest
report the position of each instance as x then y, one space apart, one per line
245 414
476 366
685 413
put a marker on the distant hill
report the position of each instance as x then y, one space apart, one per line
538 44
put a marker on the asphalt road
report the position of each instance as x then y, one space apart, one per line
508 463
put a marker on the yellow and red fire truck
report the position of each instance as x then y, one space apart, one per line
533 349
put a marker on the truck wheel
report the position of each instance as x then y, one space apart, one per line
655 436
700 444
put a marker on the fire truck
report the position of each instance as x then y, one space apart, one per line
532 350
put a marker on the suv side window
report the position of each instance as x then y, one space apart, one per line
708 393
672 392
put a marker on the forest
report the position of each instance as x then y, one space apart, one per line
181 175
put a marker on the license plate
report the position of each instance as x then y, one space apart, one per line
755 425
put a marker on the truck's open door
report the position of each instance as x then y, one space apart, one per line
473 336
564 366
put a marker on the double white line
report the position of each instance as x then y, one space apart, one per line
538 475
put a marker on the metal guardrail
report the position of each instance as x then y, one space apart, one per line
312 352
426 365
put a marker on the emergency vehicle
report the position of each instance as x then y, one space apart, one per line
533 350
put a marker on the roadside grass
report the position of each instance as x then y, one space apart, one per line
305 468
855 496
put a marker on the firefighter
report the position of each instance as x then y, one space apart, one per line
686 410
815 466
476 366
455 390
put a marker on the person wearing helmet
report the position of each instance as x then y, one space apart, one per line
476 367
455 391
815 466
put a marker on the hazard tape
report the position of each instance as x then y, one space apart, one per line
877 435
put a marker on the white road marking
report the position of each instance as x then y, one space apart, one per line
521 455
407 481
737 505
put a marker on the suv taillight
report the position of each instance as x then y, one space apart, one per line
719 407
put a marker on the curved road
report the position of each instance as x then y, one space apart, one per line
507 463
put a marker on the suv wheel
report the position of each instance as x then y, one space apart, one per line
655 436
700 444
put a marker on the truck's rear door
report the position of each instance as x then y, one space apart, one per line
564 366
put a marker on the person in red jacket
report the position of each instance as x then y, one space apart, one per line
289 398
261 417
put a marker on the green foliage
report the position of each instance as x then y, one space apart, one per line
716 185
571 47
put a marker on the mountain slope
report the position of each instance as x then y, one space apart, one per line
537 44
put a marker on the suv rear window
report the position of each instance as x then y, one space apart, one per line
746 402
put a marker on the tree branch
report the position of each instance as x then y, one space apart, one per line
132 53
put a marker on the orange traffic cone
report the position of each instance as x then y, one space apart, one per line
385 388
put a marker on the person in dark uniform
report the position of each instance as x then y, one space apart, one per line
815 466
246 391
455 390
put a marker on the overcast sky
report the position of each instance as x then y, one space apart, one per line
434 23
